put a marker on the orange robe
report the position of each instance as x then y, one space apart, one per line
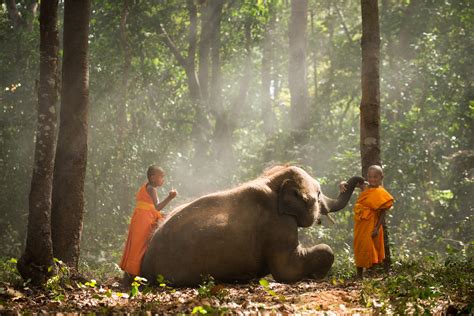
144 221
367 250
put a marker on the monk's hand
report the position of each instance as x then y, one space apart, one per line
343 186
173 193
375 232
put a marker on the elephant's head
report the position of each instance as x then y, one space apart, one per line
300 196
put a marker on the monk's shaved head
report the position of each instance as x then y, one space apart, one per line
376 168
154 169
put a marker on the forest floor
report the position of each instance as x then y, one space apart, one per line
302 297
259 297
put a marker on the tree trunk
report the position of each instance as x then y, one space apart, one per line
204 50
215 95
370 102
24 19
297 65
38 255
71 154
314 58
222 133
226 126
201 124
124 195
268 116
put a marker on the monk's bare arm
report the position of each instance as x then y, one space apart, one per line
380 220
156 201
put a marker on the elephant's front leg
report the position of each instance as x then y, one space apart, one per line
291 265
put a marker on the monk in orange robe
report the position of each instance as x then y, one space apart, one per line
145 219
369 214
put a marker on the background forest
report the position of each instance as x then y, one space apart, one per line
143 111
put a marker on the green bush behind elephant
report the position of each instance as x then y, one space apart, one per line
246 232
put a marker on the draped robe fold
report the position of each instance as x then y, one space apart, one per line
142 225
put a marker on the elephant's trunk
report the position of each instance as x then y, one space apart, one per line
333 205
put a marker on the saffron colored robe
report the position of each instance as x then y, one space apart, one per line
144 221
367 250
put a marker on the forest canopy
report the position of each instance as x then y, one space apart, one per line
145 108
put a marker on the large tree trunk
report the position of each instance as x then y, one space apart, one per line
71 154
370 102
297 65
38 255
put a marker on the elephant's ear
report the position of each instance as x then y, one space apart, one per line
290 200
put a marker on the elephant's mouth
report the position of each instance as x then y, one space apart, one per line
319 222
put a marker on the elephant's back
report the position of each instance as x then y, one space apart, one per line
212 235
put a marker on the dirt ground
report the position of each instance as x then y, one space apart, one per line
306 297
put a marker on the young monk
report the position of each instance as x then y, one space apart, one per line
145 218
369 214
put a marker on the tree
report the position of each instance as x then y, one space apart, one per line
22 18
201 124
37 258
71 154
370 102
268 116
122 125
297 65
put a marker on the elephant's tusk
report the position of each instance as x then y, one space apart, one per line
331 219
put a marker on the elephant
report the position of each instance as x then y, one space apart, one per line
246 232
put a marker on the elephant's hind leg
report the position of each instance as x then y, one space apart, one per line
321 260
292 266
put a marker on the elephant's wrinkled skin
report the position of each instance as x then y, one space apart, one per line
246 232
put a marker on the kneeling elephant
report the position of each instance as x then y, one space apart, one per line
246 232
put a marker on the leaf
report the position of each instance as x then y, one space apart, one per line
264 282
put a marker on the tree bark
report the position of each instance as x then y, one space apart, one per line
370 102
204 50
37 258
14 14
314 58
124 195
297 78
268 116
71 154
24 19
215 94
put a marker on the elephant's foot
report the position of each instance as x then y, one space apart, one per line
292 266
322 259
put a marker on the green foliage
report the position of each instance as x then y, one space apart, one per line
418 284
60 281
137 282
426 108
266 286
8 271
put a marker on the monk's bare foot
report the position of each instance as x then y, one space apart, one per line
127 280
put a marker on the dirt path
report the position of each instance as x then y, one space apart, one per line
302 297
